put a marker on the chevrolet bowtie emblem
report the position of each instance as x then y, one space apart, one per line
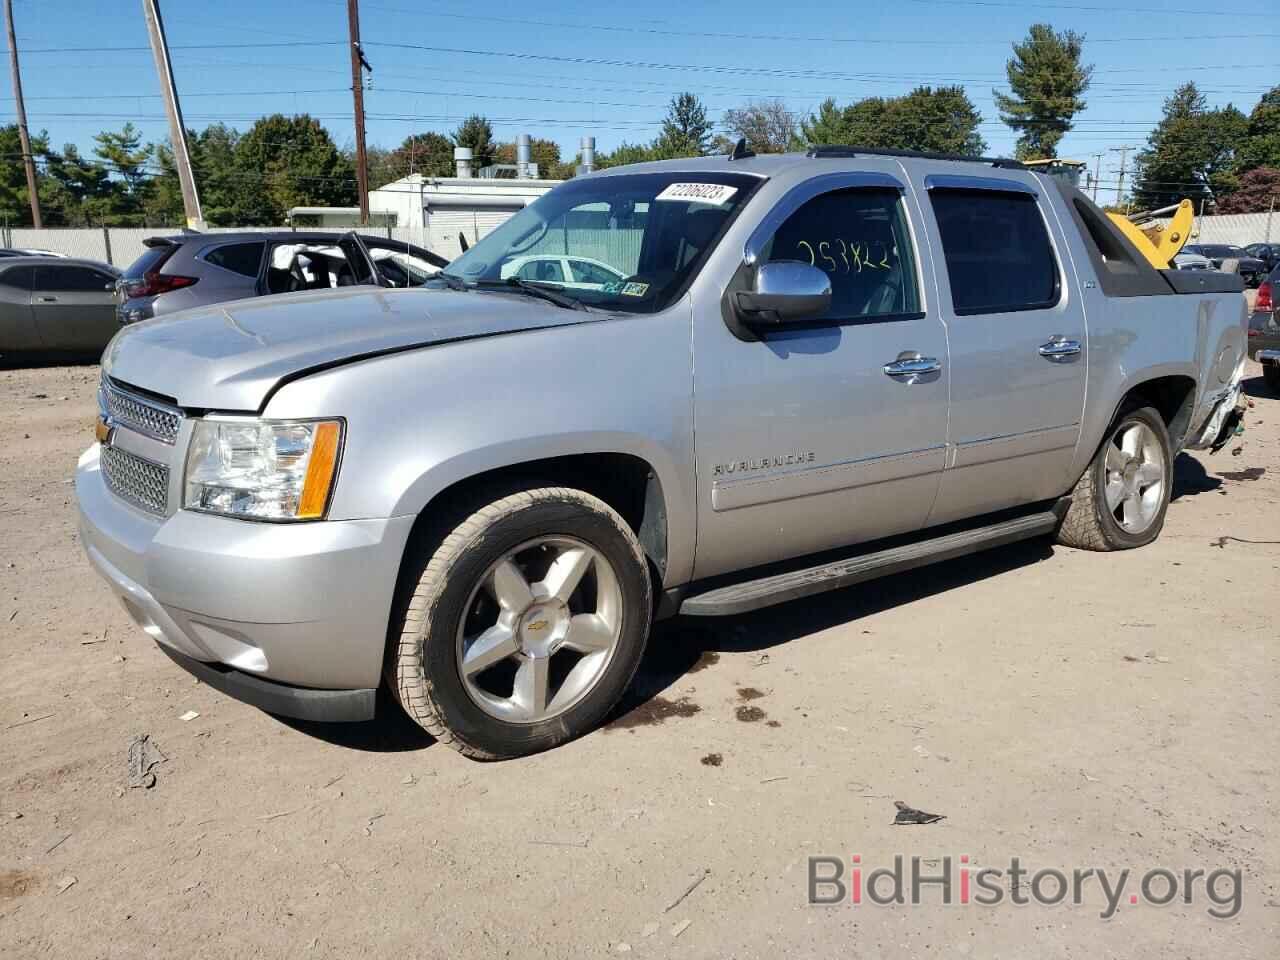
102 430
536 625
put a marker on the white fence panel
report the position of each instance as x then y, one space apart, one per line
1239 228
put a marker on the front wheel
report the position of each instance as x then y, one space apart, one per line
1121 500
525 626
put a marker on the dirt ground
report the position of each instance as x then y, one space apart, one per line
1074 710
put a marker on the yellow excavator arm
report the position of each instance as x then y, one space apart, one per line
1157 242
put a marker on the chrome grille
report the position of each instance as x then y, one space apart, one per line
144 416
135 479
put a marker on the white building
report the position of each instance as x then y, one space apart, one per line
433 211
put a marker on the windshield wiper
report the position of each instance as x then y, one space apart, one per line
535 289
450 281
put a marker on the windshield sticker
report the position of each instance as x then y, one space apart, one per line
716 194
634 289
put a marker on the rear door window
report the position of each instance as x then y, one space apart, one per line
997 251
241 258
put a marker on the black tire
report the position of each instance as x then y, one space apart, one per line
423 663
1089 524
1271 376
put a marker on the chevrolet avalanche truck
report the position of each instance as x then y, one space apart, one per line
810 370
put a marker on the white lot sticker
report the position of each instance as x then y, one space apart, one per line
713 193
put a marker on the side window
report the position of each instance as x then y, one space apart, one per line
546 270
72 279
860 239
241 258
585 272
997 251
18 278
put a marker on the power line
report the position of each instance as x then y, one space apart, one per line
913 41
650 65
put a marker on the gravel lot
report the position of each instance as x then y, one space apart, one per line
1071 709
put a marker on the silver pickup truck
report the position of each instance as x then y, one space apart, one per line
798 372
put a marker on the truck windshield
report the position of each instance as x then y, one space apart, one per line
629 242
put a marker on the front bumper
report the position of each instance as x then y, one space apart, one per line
287 606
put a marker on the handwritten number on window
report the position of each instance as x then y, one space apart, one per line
855 256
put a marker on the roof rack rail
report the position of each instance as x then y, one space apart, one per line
837 151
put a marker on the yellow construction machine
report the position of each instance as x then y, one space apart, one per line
1158 242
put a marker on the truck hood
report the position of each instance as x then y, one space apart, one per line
230 356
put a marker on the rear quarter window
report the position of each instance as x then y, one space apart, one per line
997 251
241 258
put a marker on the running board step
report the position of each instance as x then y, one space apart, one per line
753 594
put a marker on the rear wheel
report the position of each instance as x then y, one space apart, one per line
525 626
1120 501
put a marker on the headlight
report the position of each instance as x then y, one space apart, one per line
262 469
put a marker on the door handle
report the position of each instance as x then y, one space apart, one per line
912 365
1060 350
48 299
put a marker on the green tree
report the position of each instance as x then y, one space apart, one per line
1190 153
223 186
625 153
686 131
428 153
126 158
15 202
477 133
1046 81
767 126
827 126
288 162
76 190
929 119
1261 145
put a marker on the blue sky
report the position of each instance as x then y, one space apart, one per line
523 65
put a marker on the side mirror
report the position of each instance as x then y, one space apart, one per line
785 292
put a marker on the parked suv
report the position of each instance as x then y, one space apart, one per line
193 269
814 370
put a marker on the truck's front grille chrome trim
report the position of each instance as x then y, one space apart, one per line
135 479
141 415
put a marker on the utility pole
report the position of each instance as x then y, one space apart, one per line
359 63
1097 174
27 159
1124 152
177 129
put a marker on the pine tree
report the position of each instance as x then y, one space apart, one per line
1046 81
686 131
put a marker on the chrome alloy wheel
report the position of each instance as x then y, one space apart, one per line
539 629
1135 477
